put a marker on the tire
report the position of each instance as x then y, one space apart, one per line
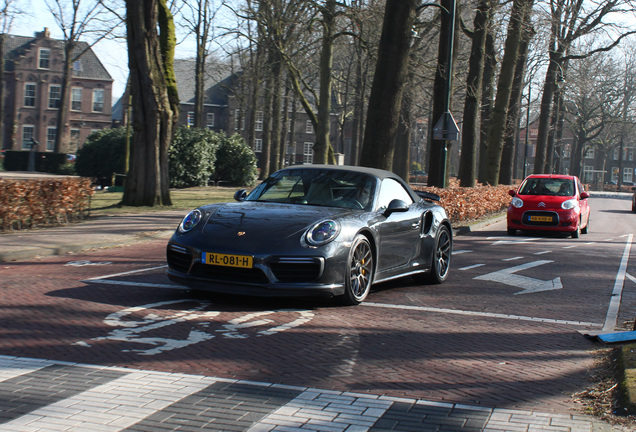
358 272
440 267
577 232
587 226
512 231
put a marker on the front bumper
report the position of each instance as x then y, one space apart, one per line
270 275
543 220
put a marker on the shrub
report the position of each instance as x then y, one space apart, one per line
31 203
235 162
102 155
192 156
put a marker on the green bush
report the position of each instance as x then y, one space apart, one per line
192 156
235 162
103 155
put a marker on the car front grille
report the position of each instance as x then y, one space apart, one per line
296 269
229 274
541 218
179 258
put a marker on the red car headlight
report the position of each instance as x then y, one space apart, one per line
570 204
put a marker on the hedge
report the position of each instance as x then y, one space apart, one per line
34 203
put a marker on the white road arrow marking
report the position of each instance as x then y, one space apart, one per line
528 284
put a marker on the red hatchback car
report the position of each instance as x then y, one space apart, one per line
549 203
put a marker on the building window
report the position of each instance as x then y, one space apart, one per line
98 100
258 125
55 94
76 99
29 94
615 155
309 128
258 145
630 154
589 153
239 121
28 132
75 139
308 153
628 174
44 58
51 134
615 174
77 67
190 119
209 120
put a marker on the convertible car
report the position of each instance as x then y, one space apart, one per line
314 230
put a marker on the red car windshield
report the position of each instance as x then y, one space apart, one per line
548 186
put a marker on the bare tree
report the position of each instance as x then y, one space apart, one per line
571 20
155 102
77 19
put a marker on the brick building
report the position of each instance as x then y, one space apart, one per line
32 83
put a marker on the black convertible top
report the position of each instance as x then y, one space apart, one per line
376 172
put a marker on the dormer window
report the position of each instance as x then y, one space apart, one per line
44 58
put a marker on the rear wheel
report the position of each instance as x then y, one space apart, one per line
587 225
359 272
441 256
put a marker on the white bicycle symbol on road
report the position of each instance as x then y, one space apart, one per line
135 330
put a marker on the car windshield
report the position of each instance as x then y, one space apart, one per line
548 186
332 188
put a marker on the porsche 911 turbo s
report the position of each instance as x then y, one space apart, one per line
314 230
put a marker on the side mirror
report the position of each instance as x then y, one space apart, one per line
512 193
584 195
240 195
396 205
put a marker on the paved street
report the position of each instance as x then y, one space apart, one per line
101 340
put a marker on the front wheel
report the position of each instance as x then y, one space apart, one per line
358 272
441 256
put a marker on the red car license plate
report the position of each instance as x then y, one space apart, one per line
541 218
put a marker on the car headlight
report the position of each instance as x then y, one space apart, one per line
323 232
517 202
569 204
190 221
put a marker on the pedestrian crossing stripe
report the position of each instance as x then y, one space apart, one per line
52 396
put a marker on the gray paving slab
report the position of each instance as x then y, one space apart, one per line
80 397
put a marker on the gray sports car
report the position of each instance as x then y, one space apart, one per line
314 230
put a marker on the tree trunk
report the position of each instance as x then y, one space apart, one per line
518 16
265 159
510 138
470 129
487 101
62 127
388 84
276 113
154 101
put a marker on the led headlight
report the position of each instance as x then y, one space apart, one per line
190 221
569 204
517 202
323 232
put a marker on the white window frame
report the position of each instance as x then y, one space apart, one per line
309 127
258 124
615 154
28 134
28 85
589 153
51 134
308 152
44 61
96 102
76 103
55 96
258 145
209 119
628 174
